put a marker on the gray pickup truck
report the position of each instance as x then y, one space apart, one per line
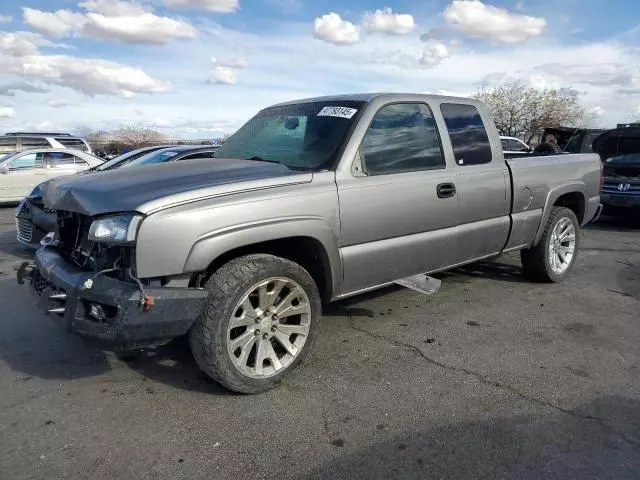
309 202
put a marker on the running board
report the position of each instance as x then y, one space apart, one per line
421 283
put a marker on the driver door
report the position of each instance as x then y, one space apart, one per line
25 172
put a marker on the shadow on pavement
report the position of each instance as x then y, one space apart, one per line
487 269
622 222
554 446
173 365
10 246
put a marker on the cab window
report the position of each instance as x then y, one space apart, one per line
31 160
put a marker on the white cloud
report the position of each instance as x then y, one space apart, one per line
56 24
385 21
6 18
9 89
224 76
232 63
495 24
600 74
7 112
19 56
433 54
597 111
220 6
331 28
57 103
112 20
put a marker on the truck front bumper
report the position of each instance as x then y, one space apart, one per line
107 310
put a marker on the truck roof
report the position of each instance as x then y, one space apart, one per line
385 97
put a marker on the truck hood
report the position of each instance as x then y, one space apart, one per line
150 188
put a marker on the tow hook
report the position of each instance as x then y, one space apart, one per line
25 272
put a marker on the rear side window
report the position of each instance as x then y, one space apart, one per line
74 143
7 144
505 144
517 146
468 134
60 159
402 137
34 142
81 161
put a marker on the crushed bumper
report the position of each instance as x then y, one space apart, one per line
68 294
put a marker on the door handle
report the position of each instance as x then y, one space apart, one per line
446 190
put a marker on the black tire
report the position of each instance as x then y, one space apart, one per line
208 335
535 261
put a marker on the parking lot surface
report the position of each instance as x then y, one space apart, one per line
493 377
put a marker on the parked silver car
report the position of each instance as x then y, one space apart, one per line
16 141
309 202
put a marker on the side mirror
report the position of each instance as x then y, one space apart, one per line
4 168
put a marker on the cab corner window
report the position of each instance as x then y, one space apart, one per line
468 134
402 137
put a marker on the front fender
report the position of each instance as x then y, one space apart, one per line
554 194
213 244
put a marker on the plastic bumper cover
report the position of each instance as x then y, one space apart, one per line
68 294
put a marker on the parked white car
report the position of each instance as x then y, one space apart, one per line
17 141
21 171
514 147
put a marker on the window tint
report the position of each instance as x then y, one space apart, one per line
31 160
34 142
505 144
197 155
75 143
60 159
402 137
468 135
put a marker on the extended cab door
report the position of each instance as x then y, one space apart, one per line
398 203
25 172
482 182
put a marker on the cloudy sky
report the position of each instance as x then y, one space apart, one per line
198 68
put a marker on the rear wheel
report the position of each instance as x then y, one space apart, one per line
552 259
260 322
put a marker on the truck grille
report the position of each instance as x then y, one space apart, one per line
24 228
621 187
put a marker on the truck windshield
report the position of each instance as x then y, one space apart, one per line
302 135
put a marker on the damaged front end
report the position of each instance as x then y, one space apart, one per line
86 279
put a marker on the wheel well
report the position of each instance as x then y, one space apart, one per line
305 251
573 201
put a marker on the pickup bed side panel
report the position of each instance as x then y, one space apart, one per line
187 238
538 182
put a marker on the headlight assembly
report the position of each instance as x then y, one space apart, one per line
118 229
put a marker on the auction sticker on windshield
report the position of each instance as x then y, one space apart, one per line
342 112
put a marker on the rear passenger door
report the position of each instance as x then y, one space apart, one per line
482 182
59 163
398 207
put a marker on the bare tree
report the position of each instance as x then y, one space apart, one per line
522 111
136 136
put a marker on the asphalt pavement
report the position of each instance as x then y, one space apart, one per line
492 377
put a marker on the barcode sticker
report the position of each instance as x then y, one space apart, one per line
341 112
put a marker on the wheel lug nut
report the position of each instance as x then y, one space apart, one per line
273 329
256 332
265 336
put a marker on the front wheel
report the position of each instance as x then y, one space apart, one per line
260 322
552 259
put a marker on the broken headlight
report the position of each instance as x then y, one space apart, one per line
116 229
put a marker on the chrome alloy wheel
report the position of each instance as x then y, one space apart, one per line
562 246
269 327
